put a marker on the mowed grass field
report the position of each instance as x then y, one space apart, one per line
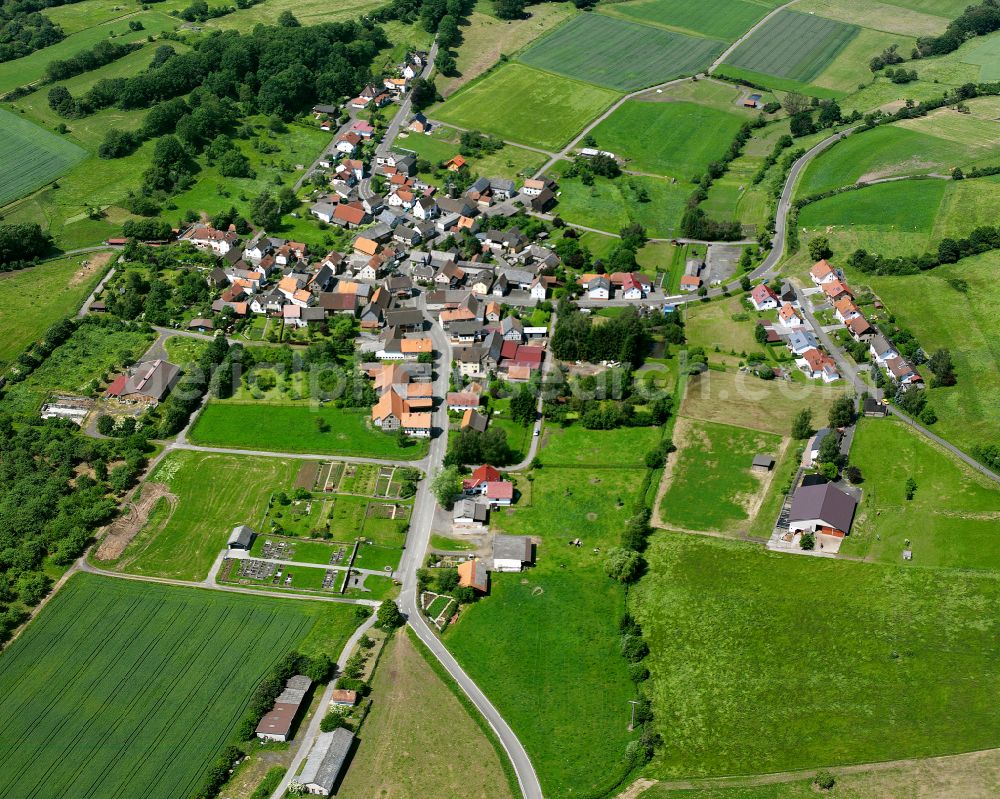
678 139
720 19
30 156
526 106
292 428
852 662
880 16
544 645
953 516
443 144
122 688
793 45
53 290
212 494
710 485
619 54
419 740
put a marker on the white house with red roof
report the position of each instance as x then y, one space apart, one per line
764 298
822 272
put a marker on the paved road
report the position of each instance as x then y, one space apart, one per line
417 542
305 738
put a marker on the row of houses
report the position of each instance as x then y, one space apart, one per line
624 285
881 349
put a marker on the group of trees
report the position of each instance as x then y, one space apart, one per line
586 168
949 250
49 507
577 338
976 20
102 53
472 446
215 367
23 29
157 300
22 245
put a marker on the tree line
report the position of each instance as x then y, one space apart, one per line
22 245
23 29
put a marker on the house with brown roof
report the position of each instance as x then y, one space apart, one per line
473 574
822 272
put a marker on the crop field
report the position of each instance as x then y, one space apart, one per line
962 318
679 139
293 428
53 290
128 689
524 105
793 45
416 733
710 485
610 204
720 19
590 47
554 627
951 520
862 638
208 495
879 16
74 365
31 156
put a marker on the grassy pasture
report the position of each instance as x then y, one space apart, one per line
986 56
887 151
52 290
849 69
442 144
904 205
678 139
610 204
31 156
711 486
22 71
589 47
874 15
308 12
292 428
734 398
951 520
214 493
128 689
749 647
720 19
416 733
793 45
524 105
544 644
965 322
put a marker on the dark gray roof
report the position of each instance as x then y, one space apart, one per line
826 502
470 509
404 316
763 460
327 759
512 547
152 379
241 535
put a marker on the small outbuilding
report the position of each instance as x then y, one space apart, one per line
872 407
344 697
241 538
762 463
511 552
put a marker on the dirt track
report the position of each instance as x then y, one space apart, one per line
133 518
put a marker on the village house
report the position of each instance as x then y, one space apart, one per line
206 237
822 508
822 273
763 297
788 318
818 365
473 574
